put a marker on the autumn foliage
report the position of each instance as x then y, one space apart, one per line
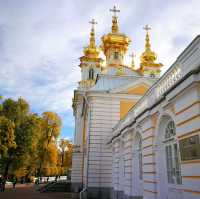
29 144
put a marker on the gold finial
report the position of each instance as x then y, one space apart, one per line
91 52
132 55
147 44
148 58
92 34
115 27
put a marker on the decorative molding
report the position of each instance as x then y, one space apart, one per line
188 120
149 181
192 191
191 161
188 107
188 134
149 137
150 154
150 128
192 177
150 191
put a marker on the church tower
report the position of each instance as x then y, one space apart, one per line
100 103
148 65
91 62
115 44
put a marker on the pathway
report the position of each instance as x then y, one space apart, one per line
28 192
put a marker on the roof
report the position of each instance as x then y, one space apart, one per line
111 82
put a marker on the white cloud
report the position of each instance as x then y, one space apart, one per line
41 41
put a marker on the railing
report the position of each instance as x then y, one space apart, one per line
169 80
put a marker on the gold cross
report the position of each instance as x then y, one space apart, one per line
147 28
114 10
132 55
93 22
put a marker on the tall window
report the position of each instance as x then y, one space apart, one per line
172 155
91 73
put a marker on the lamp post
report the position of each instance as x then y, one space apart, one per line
63 148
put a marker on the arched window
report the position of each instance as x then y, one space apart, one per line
91 73
172 155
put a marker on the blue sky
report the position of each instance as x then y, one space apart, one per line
41 41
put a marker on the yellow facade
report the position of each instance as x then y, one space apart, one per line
138 90
125 106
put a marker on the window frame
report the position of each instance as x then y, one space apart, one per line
91 73
172 154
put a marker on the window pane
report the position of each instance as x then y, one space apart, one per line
169 164
177 165
170 130
190 148
172 155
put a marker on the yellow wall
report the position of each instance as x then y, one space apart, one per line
138 90
125 106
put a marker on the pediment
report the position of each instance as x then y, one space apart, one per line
138 87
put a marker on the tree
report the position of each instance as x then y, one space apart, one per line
65 147
68 156
51 125
7 139
27 141
29 163
20 129
1 104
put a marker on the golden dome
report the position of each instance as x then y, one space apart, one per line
115 41
148 57
91 52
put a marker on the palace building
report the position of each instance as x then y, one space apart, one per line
137 134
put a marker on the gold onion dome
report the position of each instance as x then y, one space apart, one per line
91 52
148 57
115 40
132 61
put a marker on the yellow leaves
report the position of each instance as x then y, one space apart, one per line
7 138
64 144
52 124
47 171
51 171
27 140
20 172
66 151
52 153
57 158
